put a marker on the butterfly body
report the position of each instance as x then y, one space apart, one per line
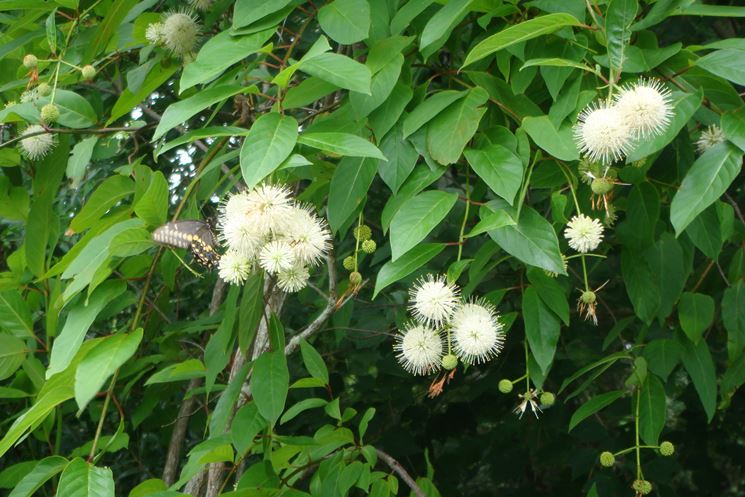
194 235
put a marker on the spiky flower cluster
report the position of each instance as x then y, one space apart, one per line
37 145
606 132
713 135
584 233
266 229
445 328
178 33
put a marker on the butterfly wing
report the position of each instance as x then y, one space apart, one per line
194 235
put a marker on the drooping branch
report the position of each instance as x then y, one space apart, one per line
400 471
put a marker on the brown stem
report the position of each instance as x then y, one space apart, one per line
179 434
400 471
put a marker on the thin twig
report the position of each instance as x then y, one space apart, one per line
400 471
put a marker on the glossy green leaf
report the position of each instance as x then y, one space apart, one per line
415 258
728 64
733 126
109 193
733 316
314 362
74 110
441 24
705 182
557 142
339 70
348 189
345 21
527 30
429 109
594 405
250 11
541 328
652 410
697 361
12 354
82 479
269 384
247 423
381 87
402 158
15 316
128 99
618 19
696 313
500 169
417 217
490 221
342 144
186 370
269 142
42 472
662 356
450 130
551 293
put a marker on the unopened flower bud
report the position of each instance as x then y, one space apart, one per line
348 263
450 362
547 399
88 72
607 459
355 278
49 113
505 386
369 246
30 61
44 89
667 449
588 297
362 232
601 186
642 487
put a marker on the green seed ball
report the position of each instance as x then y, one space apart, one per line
450 362
505 386
601 186
588 297
547 399
642 487
44 89
362 232
88 72
369 246
667 449
355 278
49 113
607 459
30 61
348 263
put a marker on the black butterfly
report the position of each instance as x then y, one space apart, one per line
196 236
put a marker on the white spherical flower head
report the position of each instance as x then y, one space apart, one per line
645 107
293 279
713 135
202 5
433 300
234 268
419 349
584 233
180 33
276 256
154 33
477 332
269 207
37 146
308 235
602 135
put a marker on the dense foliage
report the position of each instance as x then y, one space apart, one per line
571 165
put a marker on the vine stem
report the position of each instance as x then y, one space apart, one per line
465 214
584 273
636 434
105 407
527 365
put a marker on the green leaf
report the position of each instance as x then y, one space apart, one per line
652 410
181 111
491 220
247 423
697 361
348 189
198 134
345 21
269 142
74 110
429 109
733 126
109 193
557 142
15 315
550 292
728 64
218 351
696 313
128 99
381 87
641 285
269 384
402 158
339 70
79 160
500 169
532 240
594 405
733 316
365 421
618 19
82 479
249 11
662 356
251 309
441 24
556 62
519 33
666 260
152 206
42 472
220 52
450 131
113 17
100 363
393 271
51 29
541 328
79 320
417 217
342 144
12 354
706 180
685 105
314 362
300 407
186 370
